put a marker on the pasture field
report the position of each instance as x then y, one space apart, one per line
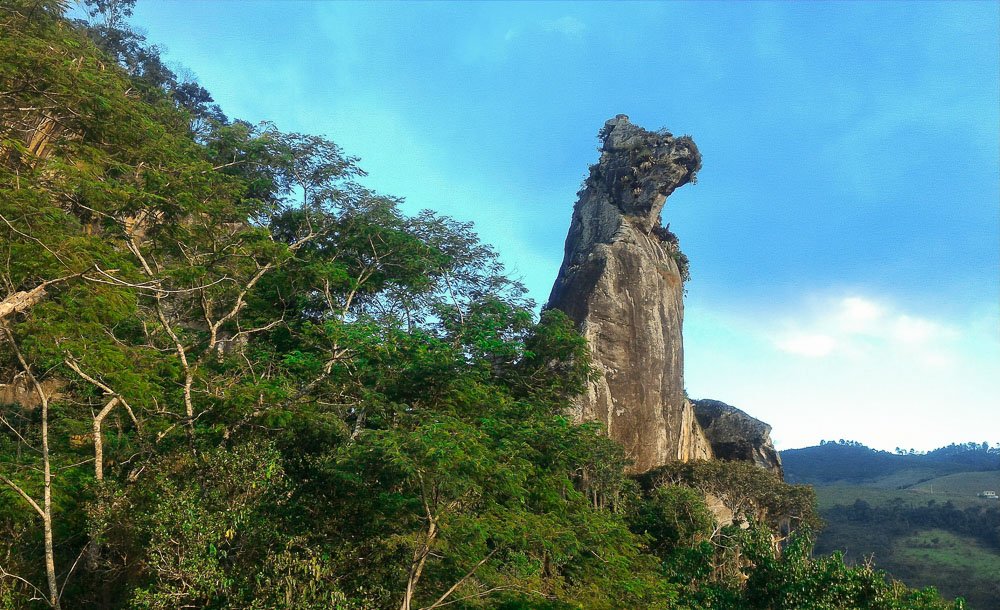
956 565
963 483
951 490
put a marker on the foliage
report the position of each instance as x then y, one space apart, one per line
234 377
753 562
794 580
750 493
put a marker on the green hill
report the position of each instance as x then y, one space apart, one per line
962 483
855 463
915 515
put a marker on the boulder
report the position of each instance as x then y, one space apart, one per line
736 436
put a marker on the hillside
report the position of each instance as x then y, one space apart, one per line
855 463
916 515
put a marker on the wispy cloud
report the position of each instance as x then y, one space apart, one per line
495 45
861 327
804 344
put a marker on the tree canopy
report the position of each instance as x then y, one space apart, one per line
234 377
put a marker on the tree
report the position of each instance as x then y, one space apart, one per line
44 509
233 377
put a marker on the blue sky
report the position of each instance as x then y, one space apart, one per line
844 232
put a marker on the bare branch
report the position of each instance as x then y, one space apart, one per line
38 592
20 301
32 238
76 369
487 592
23 440
73 567
149 286
237 306
444 596
23 494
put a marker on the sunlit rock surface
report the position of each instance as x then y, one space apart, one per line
621 282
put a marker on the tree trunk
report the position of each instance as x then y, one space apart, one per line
417 566
99 439
50 562
94 548
46 508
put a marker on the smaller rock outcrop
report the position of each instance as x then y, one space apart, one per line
736 436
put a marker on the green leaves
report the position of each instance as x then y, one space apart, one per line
209 523
303 397
795 580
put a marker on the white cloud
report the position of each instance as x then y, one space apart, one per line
861 327
911 330
813 346
858 314
852 367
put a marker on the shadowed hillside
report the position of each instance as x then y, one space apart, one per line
855 463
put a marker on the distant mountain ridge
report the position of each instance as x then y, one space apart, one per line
853 462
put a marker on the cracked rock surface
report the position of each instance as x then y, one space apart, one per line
621 281
736 436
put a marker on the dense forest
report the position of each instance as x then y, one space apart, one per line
233 377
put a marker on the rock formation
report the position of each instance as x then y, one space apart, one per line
734 435
622 282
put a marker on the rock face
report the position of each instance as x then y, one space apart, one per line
734 435
622 282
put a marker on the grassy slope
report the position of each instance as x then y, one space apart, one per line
962 484
938 556
940 490
955 565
